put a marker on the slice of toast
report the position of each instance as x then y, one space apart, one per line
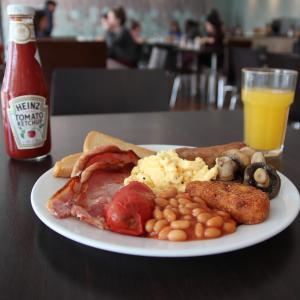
64 167
96 139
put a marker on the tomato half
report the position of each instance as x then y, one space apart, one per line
130 209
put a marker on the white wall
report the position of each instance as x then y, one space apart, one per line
255 13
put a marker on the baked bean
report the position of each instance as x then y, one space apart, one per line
169 193
216 221
223 214
159 225
163 234
149 225
180 224
198 200
199 230
175 210
161 201
169 214
177 235
157 213
212 232
181 206
192 205
231 221
185 211
174 202
203 217
197 211
183 200
186 217
229 227
183 195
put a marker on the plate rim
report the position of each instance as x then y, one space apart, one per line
81 239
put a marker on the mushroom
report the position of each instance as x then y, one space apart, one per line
263 177
226 168
258 157
239 157
248 151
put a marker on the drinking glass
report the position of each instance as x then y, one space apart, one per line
267 95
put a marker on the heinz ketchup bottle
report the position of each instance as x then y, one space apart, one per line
25 103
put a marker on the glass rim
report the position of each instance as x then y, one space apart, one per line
269 71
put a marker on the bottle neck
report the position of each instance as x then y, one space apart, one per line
21 30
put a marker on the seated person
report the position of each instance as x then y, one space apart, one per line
214 31
174 30
40 24
120 43
135 31
191 29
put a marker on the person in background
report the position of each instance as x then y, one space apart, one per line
40 23
135 31
120 43
175 31
191 29
275 28
103 21
214 30
50 7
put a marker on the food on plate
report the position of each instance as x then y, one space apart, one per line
264 177
166 169
246 204
108 158
129 209
94 139
64 167
208 154
170 195
250 167
99 178
179 217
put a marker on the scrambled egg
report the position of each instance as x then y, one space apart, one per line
167 169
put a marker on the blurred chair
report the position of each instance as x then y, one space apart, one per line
241 58
292 62
65 53
91 91
158 58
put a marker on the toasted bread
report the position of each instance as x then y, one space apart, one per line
64 167
96 139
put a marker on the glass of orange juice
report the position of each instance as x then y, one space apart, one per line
267 95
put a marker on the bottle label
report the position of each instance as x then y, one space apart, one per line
21 32
28 119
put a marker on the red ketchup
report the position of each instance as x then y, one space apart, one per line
24 96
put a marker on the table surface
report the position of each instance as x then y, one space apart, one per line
37 263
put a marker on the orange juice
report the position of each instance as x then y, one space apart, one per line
265 117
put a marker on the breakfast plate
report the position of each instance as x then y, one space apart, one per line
284 209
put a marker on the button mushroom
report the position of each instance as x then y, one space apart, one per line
239 157
258 157
226 168
263 177
248 151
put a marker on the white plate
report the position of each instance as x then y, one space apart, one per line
284 209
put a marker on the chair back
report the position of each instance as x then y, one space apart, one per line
63 53
90 91
244 58
158 58
292 62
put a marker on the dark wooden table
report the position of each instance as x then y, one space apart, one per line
37 263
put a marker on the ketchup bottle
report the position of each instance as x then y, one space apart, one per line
24 96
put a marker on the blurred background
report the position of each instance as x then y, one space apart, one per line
201 46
